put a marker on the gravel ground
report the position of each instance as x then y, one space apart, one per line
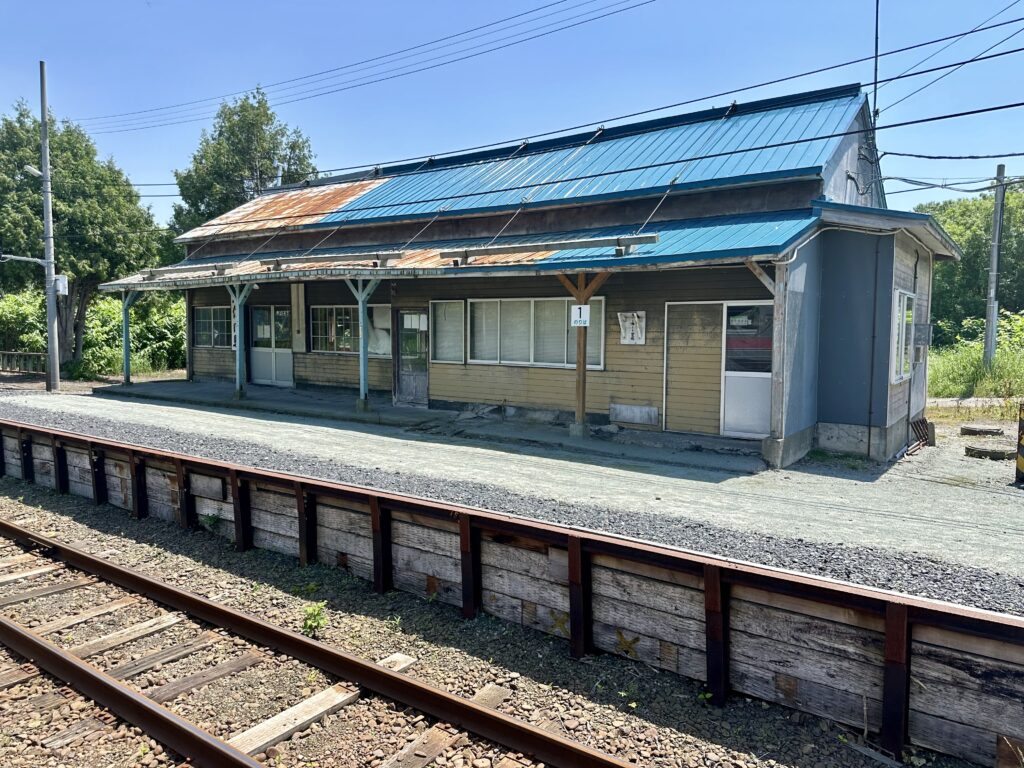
615 705
946 478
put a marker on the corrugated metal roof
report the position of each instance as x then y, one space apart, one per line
593 166
721 237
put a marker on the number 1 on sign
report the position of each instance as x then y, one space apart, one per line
580 315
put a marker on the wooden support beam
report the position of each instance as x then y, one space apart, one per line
760 274
98 475
472 580
60 466
716 622
186 501
242 511
28 467
380 523
896 680
582 291
581 614
140 493
305 504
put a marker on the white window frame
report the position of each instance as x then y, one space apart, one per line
898 341
195 320
597 322
430 325
355 307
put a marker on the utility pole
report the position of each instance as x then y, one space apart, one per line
53 352
992 305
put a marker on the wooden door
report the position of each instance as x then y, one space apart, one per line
412 368
693 368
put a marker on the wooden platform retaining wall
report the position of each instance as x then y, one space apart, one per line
908 670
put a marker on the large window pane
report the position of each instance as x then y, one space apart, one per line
261 328
515 331
549 325
202 335
748 339
282 328
483 331
595 334
907 357
380 331
447 331
320 325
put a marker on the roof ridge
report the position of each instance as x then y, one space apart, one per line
606 134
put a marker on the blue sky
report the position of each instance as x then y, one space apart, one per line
115 56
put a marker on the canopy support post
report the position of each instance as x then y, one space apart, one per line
362 290
239 296
128 298
582 291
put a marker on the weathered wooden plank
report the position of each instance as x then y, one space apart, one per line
383 566
815 698
305 508
273 501
175 688
294 719
89 613
833 670
209 487
286 545
809 608
659 595
342 541
341 519
969 742
272 522
430 540
426 521
428 586
552 564
1003 712
442 566
361 567
73 733
205 507
25 557
435 741
674 628
77 458
979 646
164 656
29 573
526 587
126 635
896 679
49 589
810 632
652 650
716 629
967 671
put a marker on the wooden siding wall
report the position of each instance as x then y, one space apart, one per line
906 252
693 395
632 374
965 692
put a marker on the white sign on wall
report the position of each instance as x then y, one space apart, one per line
632 327
580 314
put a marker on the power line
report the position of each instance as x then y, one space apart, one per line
930 83
975 28
652 110
953 157
629 169
976 59
404 74
276 90
326 71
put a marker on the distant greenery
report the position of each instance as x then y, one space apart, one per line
958 370
157 331
960 288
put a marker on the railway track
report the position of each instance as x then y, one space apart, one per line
144 652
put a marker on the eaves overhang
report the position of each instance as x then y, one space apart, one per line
922 225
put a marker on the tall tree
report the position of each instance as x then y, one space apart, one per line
101 230
960 288
247 150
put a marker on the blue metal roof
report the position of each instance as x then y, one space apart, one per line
597 165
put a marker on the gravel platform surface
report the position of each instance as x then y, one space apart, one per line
944 578
615 705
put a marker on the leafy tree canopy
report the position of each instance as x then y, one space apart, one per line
960 288
247 150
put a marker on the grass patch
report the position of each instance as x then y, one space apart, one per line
959 371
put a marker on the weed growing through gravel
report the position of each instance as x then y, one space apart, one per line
314 619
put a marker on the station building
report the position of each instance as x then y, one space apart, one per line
733 272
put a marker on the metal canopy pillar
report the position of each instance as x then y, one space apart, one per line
239 295
582 291
362 290
128 299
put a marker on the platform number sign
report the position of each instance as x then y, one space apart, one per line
580 314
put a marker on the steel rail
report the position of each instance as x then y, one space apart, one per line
188 740
478 720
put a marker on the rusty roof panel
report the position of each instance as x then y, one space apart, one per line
292 208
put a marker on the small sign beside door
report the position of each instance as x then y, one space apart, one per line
632 327
580 315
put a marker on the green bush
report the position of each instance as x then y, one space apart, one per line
157 333
959 370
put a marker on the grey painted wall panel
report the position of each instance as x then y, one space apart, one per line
802 327
847 351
